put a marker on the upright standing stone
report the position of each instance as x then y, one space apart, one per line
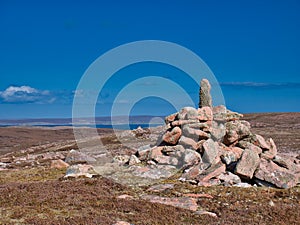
204 94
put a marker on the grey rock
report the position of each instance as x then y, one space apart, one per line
81 170
77 157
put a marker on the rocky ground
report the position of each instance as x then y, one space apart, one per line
33 190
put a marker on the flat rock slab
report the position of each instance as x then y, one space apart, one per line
278 176
180 202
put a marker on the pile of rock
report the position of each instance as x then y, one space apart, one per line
213 145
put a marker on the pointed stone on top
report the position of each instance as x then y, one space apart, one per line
204 94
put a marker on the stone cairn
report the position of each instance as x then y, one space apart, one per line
214 146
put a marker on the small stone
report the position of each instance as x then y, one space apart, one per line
172 137
125 196
247 165
243 185
58 164
121 223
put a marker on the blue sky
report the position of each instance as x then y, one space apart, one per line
252 47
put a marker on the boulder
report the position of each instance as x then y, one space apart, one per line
247 165
77 157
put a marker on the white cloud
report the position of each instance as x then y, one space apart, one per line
25 94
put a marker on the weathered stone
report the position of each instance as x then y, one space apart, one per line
195 134
81 170
188 113
213 171
205 113
229 178
217 130
247 165
133 160
204 94
154 173
261 142
172 137
219 113
284 162
191 158
210 152
180 202
209 183
193 172
235 130
248 145
58 164
243 185
271 173
171 118
125 196
192 195
272 151
188 142
76 157
229 157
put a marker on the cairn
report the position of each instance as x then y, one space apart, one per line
215 146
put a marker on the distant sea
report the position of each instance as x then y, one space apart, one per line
108 126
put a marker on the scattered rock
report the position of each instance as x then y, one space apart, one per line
58 164
77 157
81 170
180 202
